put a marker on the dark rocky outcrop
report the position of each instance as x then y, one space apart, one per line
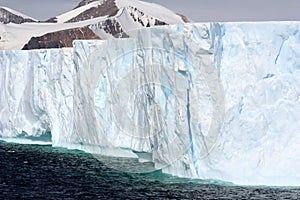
51 20
84 2
184 18
107 8
8 17
60 39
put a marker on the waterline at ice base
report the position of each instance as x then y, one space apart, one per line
208 100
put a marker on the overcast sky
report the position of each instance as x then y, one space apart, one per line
197 10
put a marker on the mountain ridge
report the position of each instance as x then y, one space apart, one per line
8 15
90 19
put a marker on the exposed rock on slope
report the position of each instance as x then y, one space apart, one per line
91 19
60 39
8 15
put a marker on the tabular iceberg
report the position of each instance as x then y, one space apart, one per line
211 101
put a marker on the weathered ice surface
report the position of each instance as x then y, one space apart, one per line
213 101
209 101
260 72
141 93
36 94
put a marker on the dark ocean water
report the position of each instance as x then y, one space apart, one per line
44 172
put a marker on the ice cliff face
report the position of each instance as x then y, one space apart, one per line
36 93
152 94
210 101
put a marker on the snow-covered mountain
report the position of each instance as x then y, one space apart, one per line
87 10
91 19
8 15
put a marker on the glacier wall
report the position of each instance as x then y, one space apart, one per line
210 101
36 94
261 131
143 95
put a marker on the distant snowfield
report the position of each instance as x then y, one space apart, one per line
15 36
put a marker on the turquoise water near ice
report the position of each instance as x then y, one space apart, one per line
35 171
